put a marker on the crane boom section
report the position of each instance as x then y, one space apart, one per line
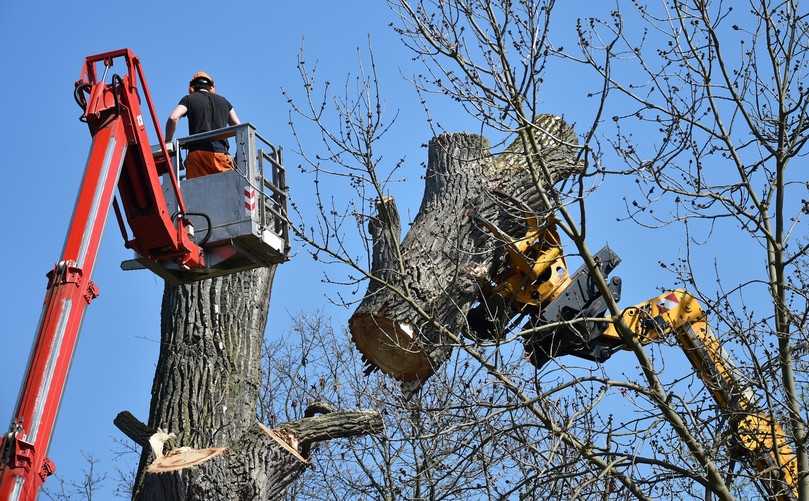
159 232
68 293
535 279
120 157
758 433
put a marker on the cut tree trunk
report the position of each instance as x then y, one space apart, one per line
206 391
449 257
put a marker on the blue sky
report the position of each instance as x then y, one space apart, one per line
251 50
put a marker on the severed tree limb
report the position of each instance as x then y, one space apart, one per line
385 231
448 258
256 466
133 428
311 430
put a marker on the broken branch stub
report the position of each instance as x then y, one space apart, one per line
448 259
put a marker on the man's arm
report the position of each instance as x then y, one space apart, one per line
171 123
233 118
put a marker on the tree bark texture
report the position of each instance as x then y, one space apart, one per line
448 257
206 391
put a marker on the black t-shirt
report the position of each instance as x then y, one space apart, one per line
206 112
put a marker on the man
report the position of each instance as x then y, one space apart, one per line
206 111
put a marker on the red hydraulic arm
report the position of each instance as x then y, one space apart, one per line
120 156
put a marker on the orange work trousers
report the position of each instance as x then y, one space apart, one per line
201 163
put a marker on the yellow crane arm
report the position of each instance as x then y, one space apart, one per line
761 440
536 279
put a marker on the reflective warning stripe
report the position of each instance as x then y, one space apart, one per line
668 302
249 201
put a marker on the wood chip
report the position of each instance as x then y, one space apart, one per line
285 440
183 457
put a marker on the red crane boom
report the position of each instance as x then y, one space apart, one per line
120 156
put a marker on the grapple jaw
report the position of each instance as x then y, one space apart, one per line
571 328
534 282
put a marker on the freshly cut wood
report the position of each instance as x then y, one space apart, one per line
450 256
205 392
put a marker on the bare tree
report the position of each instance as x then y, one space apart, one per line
490 56
463 436
349 137
725 92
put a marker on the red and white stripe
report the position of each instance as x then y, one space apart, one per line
668 302
250 201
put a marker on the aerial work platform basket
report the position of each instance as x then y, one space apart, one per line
239 216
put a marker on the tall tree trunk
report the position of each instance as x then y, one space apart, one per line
473 202
206 390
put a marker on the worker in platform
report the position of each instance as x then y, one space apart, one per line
206 111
